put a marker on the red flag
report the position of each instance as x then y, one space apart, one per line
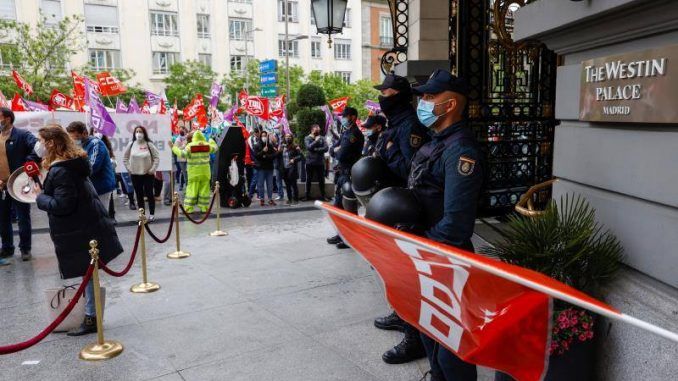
242 98
246 135
78 91
58 99
202 119
194 108
339 104
109 85
23 85
4 102
145 108
18 103
175 120
162 109
257 106
278 106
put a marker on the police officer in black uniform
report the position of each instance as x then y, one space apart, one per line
446 177
374 126
347 151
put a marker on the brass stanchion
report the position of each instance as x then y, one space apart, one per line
102 349
178 254
145 286
218 232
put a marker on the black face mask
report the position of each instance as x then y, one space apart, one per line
390 105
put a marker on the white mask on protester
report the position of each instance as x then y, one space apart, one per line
140 136
39 149
264 140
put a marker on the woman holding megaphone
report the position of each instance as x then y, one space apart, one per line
76 215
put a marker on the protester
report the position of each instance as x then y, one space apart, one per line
253 175
316 146
16 148
125 182
291 157
197 152
102 174
141 159
76 214
181 142
264 153
278 167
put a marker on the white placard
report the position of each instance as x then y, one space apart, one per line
158 127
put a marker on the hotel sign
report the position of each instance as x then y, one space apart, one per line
639 87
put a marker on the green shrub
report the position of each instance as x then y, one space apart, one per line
310 95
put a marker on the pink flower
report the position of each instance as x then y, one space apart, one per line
582 337
585 325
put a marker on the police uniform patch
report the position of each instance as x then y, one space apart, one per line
466 166
415 141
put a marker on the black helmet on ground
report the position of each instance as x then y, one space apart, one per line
369 175
396 207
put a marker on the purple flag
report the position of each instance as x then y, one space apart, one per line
35 106
120 107
328 117
285 123
373 106
230 114
133 106
215 92
152 98
99 118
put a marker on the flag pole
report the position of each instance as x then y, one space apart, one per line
110 102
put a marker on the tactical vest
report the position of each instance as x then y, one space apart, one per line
429 190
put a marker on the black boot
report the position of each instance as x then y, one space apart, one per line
6 253
342 245
410 349
89 325
334 240
392 322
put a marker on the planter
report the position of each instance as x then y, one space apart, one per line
575 364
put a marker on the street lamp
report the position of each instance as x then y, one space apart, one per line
329 17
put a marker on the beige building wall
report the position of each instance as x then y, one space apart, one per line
136 45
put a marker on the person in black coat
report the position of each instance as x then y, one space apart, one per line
264 153
291 157
76 215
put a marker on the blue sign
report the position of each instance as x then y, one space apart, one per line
269 92
269 79
268 66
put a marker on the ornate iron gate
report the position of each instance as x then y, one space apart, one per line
511 100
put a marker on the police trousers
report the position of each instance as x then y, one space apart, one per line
445 364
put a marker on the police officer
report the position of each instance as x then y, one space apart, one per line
374 125
347 151
446 177
405 135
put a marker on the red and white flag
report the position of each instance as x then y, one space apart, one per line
195 108
242 98
257 106
145 108
162 109
339 104
175 119
18 103
486 311
109 85
278 106
60 100
21 83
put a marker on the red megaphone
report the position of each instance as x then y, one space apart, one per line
33 170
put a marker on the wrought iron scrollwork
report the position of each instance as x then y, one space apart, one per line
398 53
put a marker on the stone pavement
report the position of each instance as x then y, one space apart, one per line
270 301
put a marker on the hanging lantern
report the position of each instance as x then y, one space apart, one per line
329 16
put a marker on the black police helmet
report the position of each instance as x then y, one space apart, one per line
396 207
369 175
347 190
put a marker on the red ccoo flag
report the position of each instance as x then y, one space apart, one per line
60 100
109 85
339 104
21 83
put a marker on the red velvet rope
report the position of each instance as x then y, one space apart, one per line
108 271
169 231
207 215
7 349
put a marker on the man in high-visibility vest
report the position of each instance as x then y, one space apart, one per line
197 153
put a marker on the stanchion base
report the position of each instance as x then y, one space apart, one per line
178 255
105 351
145 288
218 233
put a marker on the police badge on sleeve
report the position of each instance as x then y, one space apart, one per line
466 165
415 141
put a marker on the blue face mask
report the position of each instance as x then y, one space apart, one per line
425 112
344 122
369 133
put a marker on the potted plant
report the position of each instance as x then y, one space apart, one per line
566 243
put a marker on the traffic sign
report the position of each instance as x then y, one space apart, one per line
269 91
269 79
268 66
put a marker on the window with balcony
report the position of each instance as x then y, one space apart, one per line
238 63
164 24
205 59
7 10
240 29
315 48
203 26
292 47
344 75
292 11
347 18
101 18
342 49
385 31
51 9
162 61
104 60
